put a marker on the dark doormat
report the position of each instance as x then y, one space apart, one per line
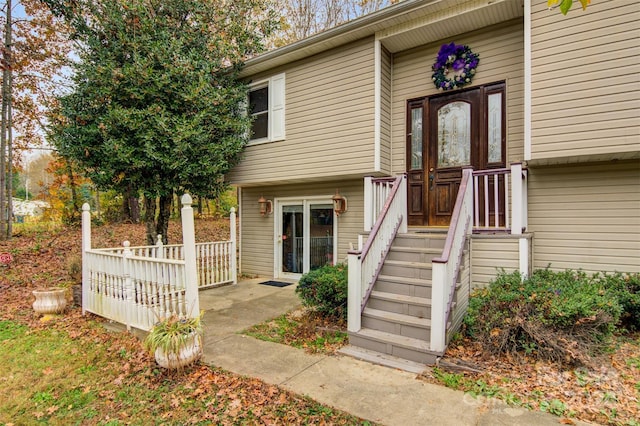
276 283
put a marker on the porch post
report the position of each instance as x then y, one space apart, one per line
86 245
403 205
190 269
354 292
519 215
234 245
368 204
516 198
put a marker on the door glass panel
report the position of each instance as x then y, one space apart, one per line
495 128
454 135
321 235
416 139
292 239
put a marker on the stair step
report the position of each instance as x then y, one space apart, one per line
416 350
396 319
401 298
413 254
401 268
383 359
422 240
403 285
400 303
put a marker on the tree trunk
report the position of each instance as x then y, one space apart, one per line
150 219
75 212
162 226
130 206
6 100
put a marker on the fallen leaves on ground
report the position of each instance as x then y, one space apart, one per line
609 394
197 394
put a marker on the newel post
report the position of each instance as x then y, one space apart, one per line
354 292
234 246
438 307
190 268
86 245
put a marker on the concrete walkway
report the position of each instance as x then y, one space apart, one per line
376 393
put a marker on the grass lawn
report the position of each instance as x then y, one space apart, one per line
68 369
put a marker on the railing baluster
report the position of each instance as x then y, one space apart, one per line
496 202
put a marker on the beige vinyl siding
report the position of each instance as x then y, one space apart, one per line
329 121
385 112
501 58
257 239
585 87
491 253
586 217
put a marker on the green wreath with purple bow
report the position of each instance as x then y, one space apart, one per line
455 66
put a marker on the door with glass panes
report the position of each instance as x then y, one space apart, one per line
305 236
445 134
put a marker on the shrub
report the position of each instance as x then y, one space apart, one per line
325 290
564 316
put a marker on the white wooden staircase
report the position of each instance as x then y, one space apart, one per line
396 320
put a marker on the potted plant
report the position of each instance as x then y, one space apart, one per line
52 300
175 341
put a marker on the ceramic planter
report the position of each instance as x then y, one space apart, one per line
189 353
50 301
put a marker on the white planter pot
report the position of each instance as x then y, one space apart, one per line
189 353
50 301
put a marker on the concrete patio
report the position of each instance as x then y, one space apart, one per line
381 394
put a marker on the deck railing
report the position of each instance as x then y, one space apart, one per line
376 192
365 264
492 208
138 286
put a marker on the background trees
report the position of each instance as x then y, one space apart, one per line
34 51
156 106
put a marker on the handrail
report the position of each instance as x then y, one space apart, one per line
446 268
366 263
383 214
455 218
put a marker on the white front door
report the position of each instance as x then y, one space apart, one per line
305 236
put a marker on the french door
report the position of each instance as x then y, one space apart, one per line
305 236
445 134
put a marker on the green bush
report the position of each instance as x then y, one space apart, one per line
325 290
565 316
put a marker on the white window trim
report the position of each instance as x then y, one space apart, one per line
276 111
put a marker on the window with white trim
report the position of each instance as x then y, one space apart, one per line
266 106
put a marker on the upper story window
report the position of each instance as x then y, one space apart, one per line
266 106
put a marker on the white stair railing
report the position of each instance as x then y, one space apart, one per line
446 267
365 264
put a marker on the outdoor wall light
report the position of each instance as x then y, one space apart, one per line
339 203
266 206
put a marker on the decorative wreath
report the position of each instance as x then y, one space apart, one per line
454 67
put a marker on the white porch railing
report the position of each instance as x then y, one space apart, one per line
446 267
491 189
138 286
364 265
376 192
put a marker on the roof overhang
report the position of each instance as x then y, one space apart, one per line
407 24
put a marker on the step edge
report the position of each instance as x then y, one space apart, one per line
397 318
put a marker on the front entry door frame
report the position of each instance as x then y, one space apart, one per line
305 203
432 187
